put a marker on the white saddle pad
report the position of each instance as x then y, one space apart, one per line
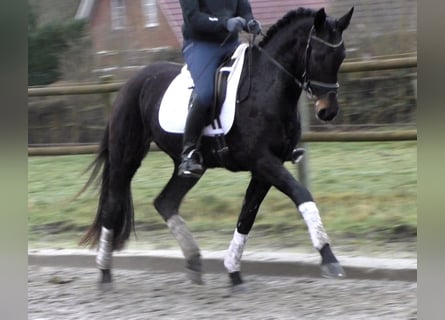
174 105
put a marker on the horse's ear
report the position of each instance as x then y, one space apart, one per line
319 19
343 22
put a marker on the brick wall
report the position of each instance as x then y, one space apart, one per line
128 46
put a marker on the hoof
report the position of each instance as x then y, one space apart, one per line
235 278
332 270
106 283
237 285
106 275
238 289
195 276
194 270
105 286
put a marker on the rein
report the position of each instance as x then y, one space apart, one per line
305 83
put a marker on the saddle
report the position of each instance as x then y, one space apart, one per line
176 100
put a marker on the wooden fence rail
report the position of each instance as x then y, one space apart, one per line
351 136
353 66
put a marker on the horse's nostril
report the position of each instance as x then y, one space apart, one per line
326 115
322 114
331 116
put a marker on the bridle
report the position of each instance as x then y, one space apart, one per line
305 83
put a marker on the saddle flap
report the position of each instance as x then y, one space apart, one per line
175 102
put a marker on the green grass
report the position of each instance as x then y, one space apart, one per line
362 190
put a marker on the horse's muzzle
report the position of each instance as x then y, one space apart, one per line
326 108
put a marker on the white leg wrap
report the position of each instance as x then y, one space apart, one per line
232 260
105 250
311 216
182 234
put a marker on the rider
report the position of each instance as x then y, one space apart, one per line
210 31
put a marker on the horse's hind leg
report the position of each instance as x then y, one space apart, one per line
117 218
126 146
167 204
255 193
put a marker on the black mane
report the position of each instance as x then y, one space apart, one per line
288 18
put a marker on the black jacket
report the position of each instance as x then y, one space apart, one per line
205 20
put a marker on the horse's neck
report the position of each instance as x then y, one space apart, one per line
281 88
288 51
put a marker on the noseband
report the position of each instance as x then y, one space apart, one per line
305 83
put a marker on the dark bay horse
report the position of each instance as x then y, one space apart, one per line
302 51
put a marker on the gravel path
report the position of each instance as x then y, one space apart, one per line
72 293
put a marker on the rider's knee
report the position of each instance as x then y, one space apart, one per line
204 99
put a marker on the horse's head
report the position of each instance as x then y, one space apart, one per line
325 52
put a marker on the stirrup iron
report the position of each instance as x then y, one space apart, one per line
297 155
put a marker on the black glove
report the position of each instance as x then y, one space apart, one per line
235 24
254 27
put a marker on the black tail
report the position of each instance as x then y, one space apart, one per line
125 143
115 209
96 165
101 161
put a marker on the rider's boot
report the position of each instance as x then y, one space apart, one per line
191 160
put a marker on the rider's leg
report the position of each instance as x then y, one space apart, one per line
190 159
202 60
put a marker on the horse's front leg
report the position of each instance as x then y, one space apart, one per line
255 193
272 170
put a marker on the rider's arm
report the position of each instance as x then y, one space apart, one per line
201 22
